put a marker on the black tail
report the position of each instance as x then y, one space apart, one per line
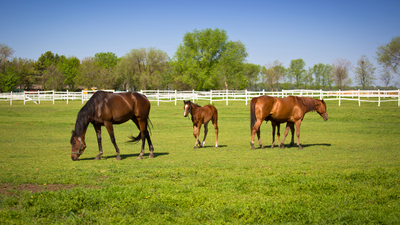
139 137
253 118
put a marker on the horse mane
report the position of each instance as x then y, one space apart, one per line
86 114
195 104
309 103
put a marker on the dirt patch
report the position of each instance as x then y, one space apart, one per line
11 189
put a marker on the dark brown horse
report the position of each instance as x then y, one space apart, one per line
106 109
290 109
201 115
275 125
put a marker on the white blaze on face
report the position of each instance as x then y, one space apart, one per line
186 110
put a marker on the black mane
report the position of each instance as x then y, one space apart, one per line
86 114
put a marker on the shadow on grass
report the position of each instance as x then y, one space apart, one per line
295 145
125 156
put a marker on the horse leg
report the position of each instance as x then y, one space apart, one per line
197 142
273 124
216 132
151 148
205 133
282 144
298 123
143 135
254 130
97 128
110 130
292 131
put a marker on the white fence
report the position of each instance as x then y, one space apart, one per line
212 95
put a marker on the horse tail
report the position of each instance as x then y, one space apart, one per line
253 118
148 132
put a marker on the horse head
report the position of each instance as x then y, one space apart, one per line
321 109
187 107
78 146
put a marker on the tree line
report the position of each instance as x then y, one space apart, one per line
206 59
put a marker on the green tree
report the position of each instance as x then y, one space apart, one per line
322 75
296 70
388 55
70 69
273 74
45 67
386 77
9 78
142 69
208 60
252 74
308 78
26 72
89 73
5 53
364 72
106 59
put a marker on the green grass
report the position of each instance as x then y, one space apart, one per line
347 173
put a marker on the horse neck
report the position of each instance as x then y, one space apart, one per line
81 125
309 104
195 109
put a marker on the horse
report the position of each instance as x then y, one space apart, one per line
290 109
201 115
106 109
275 124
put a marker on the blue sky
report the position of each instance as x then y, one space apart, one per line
316 31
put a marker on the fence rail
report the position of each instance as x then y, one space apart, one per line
378 96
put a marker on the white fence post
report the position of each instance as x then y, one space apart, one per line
67 97
193 95
245 94
379 97
24 97
320 94
82 97
158 96
359 97
339 96
226 96
175 97
211 96
263 92
38 94
53 96
11 98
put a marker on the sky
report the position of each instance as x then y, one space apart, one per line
315 31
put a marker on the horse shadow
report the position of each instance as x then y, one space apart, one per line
212 146
295 145
125 156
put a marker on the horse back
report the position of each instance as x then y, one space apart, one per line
121 107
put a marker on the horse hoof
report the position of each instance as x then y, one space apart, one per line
300 147
272 146
194 147
118 158
97 158
151 156
262 147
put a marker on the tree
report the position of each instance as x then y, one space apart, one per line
26 72
308 78
389 55
142 69
322 75
364 72
89 73
208 60
46 66
296 70
70 69
5 53
386 77
106 59
251 72
273 74
340 71
9 78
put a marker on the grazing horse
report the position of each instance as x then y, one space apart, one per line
106 109
290 109
201 115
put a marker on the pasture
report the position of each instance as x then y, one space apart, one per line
347 173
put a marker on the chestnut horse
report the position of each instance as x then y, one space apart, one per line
201 115
106 109
290 109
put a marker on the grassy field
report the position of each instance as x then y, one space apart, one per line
347 173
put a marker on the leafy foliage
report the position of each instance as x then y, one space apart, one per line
389 55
